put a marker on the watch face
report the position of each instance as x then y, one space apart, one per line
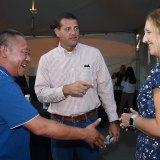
131 122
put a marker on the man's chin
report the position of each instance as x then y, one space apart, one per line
74 44
21 73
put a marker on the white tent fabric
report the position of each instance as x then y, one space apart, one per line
95 16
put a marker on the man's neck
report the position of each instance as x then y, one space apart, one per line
68 48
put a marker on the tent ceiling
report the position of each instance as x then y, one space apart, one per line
95 16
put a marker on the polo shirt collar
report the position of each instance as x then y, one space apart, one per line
4 72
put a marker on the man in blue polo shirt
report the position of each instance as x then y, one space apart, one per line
14 112
17 115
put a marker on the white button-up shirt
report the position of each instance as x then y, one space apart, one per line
59 67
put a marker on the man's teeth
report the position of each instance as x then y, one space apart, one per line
23 65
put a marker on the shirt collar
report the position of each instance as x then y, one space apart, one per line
63 50
4 72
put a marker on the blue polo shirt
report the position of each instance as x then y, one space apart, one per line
15 110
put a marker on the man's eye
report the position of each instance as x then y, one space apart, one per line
67 29
77 28
27 53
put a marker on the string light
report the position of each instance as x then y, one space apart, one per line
33 11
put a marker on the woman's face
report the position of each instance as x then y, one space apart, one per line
152 38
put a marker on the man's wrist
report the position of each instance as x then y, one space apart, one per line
115 122
65 90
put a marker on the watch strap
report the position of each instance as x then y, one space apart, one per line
132 118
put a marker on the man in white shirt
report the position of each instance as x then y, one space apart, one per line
72 77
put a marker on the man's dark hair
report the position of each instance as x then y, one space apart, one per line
6 35
57 22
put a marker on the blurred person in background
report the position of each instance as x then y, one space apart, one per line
128 91
119 77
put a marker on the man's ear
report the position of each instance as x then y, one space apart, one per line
3 51
56 31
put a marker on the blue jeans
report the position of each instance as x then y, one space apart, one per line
64 149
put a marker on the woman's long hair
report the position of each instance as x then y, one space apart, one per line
130 76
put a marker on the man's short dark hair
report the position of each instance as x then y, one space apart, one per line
6 35
57 22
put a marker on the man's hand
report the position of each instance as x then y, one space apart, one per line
76 89
114 131
93 136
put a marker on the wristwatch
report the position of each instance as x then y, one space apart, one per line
131 121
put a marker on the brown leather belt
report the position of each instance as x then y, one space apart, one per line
79 118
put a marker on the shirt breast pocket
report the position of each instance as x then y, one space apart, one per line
84 74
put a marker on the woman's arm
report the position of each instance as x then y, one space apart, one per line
150 127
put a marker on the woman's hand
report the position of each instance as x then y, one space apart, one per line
125 118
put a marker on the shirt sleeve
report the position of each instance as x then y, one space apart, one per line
15 109
156 77
42 85
105 89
